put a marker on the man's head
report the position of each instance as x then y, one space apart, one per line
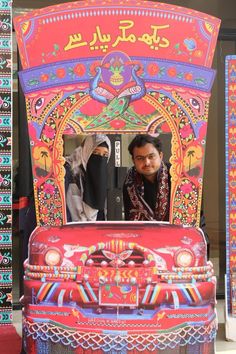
146 152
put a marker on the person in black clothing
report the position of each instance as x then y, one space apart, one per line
146 190
86 179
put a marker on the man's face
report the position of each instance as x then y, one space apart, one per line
147 160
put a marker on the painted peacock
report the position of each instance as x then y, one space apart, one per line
118 111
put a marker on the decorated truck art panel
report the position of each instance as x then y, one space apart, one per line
116 67
136 281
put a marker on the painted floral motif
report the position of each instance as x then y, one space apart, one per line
49 197
185 205
186 130
189 47
79 70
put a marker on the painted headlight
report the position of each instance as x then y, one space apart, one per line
184 258
52 257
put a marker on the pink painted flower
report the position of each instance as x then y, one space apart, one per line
1 179
177 221
117 124
45 219
67 103
49 132
58 222
166 102
44 210
1 257
186 188
1 101
59 110
48 188
186 131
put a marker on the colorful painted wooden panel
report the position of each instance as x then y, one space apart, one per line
117 67
116 287
230 71
5 165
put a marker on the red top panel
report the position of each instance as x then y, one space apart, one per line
93 29
148 234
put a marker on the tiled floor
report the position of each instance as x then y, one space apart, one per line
222 346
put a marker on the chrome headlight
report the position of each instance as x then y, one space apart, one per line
52 257
184 258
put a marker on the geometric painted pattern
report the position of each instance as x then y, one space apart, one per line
230 148
5 165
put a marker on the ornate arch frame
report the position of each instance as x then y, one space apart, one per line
58 80
94 78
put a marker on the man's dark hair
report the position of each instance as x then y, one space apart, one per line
143 139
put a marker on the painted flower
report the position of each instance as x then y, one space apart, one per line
189 219
153 69
58 222
190 44
174 109
61 73
188 76
172 72
49 132
59 110
45 219
48 188
117 124
1 179
166 102
186 188
44 77
44 210
79 70
186 131
1 101
67 103
1 257
178 221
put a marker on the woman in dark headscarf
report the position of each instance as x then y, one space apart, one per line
86 179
